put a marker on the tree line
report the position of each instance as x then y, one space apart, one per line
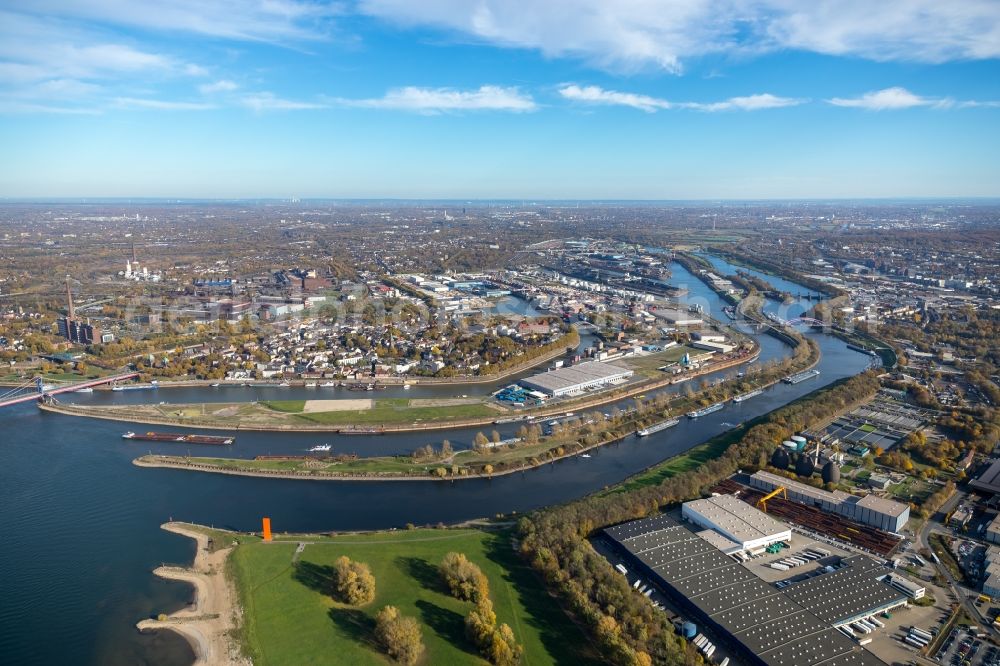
624 625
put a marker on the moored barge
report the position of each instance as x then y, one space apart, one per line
179 438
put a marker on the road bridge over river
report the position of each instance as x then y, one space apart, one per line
35 389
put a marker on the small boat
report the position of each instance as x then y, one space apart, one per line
85 389
320 448
327 385
311 384
215 385
284 385
585 455
406 387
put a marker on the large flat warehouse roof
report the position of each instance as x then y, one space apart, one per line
778 628
736 519
577 375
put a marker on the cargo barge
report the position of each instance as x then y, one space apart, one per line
137 387
179 438
801 377
653 429
747 396
707 410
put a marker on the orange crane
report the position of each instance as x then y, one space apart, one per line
762 502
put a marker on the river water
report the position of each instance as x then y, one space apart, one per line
81 523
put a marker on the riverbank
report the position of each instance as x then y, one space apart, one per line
568 341
209 623
466 464
136 414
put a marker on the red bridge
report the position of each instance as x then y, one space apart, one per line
34 389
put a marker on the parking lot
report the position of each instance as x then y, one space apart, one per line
962 648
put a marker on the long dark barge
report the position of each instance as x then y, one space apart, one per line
179 438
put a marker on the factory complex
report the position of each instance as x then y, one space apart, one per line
578 378
884 514
787 607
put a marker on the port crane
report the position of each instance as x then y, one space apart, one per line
762 502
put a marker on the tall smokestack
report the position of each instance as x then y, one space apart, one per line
69 299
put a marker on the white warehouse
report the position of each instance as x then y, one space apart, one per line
576 378
746 527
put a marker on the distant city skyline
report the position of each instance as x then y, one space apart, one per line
503 100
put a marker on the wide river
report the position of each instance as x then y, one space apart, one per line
81 523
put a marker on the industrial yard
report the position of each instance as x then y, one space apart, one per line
747 586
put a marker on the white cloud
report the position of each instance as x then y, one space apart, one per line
888 99
160 105
747 103
625 34
34 49
16 106
598 95
973 104
438 100
257 20
223 85
266 101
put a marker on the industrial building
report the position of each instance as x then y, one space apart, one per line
989 480
885 514
576 378
743 527
795 625
77 330
991 573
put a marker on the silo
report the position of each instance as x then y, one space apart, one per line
831 472
804 466
780 458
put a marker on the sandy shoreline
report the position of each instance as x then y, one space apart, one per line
209 622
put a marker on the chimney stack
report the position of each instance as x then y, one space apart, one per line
69 299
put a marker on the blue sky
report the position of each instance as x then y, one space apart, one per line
643 99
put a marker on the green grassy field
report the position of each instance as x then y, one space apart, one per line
650 364
398 410
292 406
289 617
684 462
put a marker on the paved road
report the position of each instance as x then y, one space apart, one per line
956 587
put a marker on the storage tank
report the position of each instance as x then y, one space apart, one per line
800 441
831 472
790 445
780 458
689 630
804 466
